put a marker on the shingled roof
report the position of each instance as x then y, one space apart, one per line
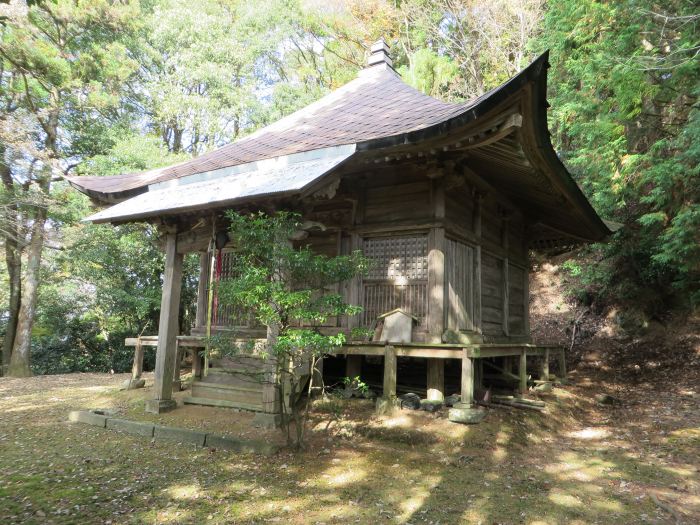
374 105
502 135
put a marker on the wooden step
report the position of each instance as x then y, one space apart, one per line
191 400
246 394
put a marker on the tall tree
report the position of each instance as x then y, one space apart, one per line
624 91
66 61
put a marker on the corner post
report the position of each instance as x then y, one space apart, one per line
467 383
167 329
522 371
436 263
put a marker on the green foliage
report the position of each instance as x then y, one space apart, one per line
623 93
291 290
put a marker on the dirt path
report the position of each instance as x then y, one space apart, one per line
578 463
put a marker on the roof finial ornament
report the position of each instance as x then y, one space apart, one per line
379 54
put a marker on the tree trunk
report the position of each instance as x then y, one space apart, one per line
14 269
13 260
19 362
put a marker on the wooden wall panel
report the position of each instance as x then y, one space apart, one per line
459 266
459 207
491 295
398 202
516 301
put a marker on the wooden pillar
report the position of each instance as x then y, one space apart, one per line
177 384
526 290
562 363
479 373
354 289
137 367
467 382
506 278
436 284
167 329
389 372
544 375
476 220
196 363
436 379
522 371
353 366
202 286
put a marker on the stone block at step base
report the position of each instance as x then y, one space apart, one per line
158 406
239 445
131 427
83 416
133 384
267 420
430 406
386 406
181 435
462 413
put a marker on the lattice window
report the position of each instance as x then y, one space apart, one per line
397 258
398 277
230 316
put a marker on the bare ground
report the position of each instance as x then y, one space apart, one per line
633 462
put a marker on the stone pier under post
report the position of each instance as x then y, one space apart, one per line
464 412
167 329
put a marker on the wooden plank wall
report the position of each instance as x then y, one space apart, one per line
459 266
491 294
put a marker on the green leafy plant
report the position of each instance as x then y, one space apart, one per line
290 290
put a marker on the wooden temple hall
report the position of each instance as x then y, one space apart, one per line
445 199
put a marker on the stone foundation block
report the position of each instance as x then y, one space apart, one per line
158 406
131 427
90 418
181 435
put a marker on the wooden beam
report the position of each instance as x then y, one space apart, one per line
167 329
467 382
389 372
436 379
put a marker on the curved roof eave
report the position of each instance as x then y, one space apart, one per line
536 75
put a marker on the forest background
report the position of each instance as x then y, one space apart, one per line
102 87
